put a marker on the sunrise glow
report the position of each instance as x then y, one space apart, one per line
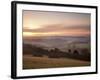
37 23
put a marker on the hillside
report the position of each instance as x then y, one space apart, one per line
30 62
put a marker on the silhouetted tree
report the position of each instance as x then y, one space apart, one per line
75 52
54 53
69 50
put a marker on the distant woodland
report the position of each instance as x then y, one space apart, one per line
79 54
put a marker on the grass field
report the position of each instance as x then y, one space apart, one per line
31 62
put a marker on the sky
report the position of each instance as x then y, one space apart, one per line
50 23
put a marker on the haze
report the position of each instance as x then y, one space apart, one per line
46 23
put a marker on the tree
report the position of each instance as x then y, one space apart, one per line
76 52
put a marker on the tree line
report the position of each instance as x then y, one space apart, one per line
56 53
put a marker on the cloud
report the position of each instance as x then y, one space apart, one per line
58 28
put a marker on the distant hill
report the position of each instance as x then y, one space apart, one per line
60 42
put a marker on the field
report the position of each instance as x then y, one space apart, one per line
31 62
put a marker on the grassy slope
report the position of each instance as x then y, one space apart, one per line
30 62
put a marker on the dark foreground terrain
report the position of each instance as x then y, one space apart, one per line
37 57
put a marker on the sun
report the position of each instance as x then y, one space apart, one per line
30 24
27 33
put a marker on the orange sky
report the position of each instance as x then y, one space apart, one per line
42 23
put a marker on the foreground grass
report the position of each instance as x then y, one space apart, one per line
31 62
